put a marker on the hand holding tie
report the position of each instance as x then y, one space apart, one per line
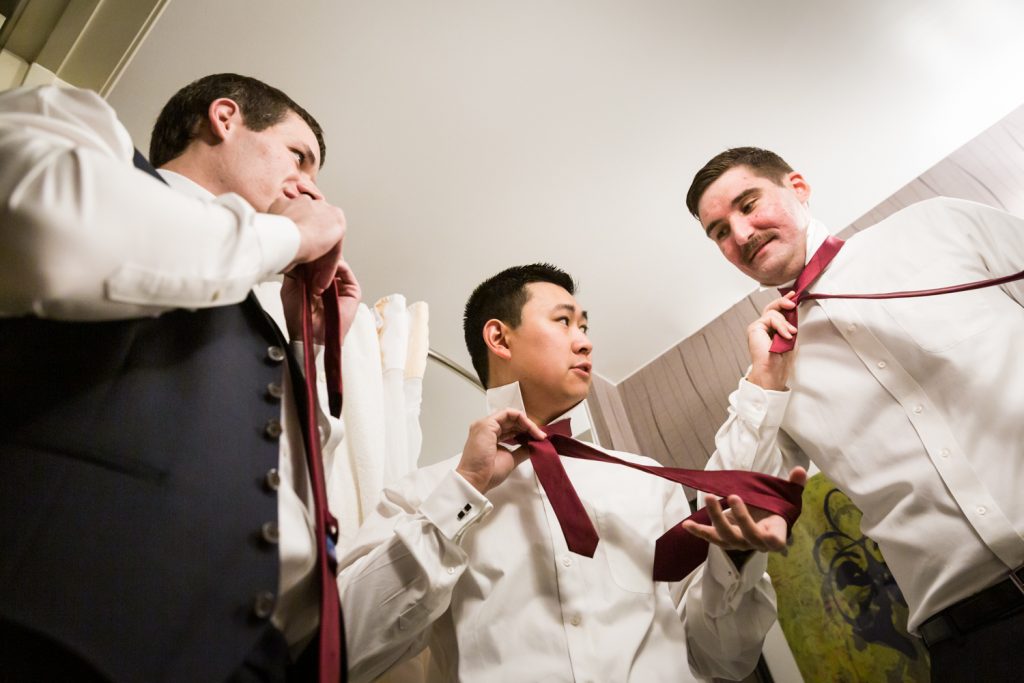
485 463
742 527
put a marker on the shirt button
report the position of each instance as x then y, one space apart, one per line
918 410
263 604
881 364
451 570
269 533
576 620
272 429
944 452
275 390
275 353
982 510
567 561
851 328
272 479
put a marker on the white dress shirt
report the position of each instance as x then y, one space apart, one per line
88 237
914 407
489 584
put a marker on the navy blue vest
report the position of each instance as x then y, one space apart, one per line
134 461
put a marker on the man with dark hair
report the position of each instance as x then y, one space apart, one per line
156 508
467 556
183 117
911 405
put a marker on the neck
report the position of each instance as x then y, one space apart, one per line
197 170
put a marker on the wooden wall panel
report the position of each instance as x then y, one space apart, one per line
676 403
609 416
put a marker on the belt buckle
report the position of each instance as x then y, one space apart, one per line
1016 579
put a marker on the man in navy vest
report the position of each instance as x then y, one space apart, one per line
155 503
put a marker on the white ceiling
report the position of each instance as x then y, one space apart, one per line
467 136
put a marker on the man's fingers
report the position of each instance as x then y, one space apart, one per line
724 529
512 422
347 282
754 533
798 476
777 322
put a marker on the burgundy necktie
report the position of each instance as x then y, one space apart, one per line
814 268
824 255
677 552
332 664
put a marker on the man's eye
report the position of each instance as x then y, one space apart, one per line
563 320
299 156
748 207
585 328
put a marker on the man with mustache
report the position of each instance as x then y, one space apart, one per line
912 406
467 556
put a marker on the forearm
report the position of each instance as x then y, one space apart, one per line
727 611
87 236
748 440
399 577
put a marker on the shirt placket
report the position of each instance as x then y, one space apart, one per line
572 594
972 497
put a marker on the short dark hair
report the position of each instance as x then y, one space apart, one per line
502 297
762 162
262 106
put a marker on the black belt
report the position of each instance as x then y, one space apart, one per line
991 604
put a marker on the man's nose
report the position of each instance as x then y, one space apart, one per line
741 229
581 344
306 186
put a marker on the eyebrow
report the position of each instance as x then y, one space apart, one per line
572 309
737 200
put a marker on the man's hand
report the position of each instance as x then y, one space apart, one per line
321 232
349 292
771 370
485 462
742 528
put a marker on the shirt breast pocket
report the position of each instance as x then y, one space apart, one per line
627 544
938 323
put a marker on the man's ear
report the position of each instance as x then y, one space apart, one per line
801 188
496 337
222 117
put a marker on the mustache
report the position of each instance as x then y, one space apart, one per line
755 243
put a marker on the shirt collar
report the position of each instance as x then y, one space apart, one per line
185 185
510 396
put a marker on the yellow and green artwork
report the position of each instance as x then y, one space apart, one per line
839 607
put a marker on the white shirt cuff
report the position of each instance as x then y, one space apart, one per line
454 506
733 582
759 406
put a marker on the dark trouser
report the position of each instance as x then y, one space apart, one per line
993 653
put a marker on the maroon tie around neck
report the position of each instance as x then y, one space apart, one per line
332 665
814 268
677 552
824 255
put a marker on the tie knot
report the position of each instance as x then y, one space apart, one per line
560 428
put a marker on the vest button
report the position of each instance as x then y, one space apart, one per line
269 533
275 390
273 428
263 604
275 353
272 479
